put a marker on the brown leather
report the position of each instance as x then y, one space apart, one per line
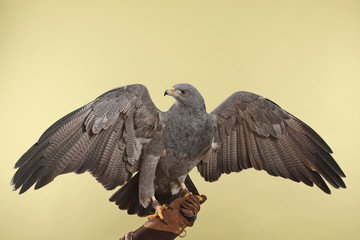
145 233
181 213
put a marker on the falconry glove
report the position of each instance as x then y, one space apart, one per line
181 213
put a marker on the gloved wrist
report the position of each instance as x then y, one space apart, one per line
180 214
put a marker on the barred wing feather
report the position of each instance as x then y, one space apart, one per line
253 131
105 137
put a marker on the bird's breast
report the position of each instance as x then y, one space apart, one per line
188 136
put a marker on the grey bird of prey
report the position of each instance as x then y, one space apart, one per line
122 139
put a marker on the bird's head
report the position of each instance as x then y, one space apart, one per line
186 95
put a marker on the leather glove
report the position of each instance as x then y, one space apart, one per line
181 213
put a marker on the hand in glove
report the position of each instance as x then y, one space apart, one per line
181 213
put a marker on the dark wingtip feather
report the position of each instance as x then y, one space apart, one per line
44 181
315 136
32 153
12 181
24 188
341 183
340 172
322 185
28 184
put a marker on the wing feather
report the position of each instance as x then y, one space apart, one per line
244 153
253 131
296 168
233 152
105 137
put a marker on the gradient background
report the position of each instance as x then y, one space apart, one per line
56 56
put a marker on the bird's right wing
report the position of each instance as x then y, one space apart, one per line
105 137
253 131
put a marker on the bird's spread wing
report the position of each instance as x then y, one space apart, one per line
253 131
104 137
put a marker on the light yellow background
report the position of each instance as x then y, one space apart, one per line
56 56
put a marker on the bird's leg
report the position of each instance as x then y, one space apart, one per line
146 186
185 192
158 210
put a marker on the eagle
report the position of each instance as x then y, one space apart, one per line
123 139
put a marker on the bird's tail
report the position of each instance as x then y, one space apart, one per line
191 186
127 197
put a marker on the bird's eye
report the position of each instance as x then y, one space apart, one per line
183 92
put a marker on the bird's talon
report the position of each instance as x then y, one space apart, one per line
151 217
158 213
164 220
189 194
199 198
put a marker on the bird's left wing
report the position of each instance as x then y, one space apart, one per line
105 137
252 131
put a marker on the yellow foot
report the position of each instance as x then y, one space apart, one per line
197 196
158 213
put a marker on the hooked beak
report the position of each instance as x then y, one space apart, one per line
170 92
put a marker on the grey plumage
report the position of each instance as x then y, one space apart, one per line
122 133
255 132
